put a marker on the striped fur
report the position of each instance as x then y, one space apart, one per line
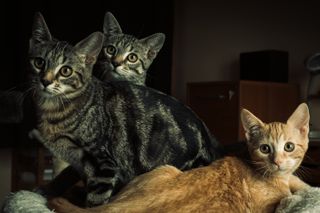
109 131
117 66
231 184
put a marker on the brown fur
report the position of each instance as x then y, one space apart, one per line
227 185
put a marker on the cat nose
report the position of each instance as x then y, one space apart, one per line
278 162
116 63
45 82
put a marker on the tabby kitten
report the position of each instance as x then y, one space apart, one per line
124 57
231 184
109 131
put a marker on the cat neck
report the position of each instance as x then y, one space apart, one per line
59 107
244 155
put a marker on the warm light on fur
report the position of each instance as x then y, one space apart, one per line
227 185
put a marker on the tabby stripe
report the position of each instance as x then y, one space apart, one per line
142 64
80 77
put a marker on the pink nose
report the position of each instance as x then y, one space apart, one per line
278 163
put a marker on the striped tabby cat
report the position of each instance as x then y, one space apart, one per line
255 184
124 57
110 132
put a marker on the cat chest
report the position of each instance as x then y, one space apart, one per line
267 195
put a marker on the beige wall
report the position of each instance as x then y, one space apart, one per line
209 36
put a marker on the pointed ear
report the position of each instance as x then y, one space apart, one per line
40 30
89 48
300 119
154 43
111 25
251 124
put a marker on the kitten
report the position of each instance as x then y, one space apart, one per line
124 57
230 184
109 131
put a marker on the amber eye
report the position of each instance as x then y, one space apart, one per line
65 71
265 148
111 50
39 63
132 57
289 147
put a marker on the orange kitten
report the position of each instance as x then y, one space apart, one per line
227 185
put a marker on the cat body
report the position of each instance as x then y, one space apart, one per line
167 189
256 183
110 132
125 57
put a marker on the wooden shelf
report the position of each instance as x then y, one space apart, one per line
219 103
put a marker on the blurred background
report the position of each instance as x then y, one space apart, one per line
204 41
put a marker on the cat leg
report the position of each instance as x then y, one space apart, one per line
296 184
67 178
63 147
101 187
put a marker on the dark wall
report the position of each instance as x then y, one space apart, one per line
72 21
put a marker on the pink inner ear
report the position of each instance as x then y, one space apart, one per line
151 54
304 130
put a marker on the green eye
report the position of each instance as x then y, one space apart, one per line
39 63
289 147
132 57
65 71
265 148
111 50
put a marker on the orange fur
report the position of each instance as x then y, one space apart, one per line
227 185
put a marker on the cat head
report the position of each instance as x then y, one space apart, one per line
125 57
277 148
58 68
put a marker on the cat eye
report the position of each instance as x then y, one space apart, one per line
65 71
265 148
39 63
289 147
132 57
111 50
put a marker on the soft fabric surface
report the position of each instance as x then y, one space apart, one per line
306 201
25 202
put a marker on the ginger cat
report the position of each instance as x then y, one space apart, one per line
231 184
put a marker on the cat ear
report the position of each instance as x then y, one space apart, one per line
89 48
111 25
250 123
40 30
300 118
155 43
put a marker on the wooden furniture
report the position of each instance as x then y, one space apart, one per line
218 104
31 167
309 171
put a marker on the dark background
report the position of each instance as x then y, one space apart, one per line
72 21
